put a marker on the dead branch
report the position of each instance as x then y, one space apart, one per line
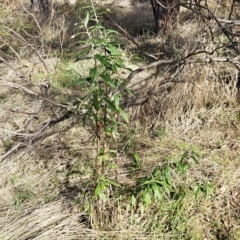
129 37
19 134
27 90
22 112
234 61
13 149
231 22
32 138
27 44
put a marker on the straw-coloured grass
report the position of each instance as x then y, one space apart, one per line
184 113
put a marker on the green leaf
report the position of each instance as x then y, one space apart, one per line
167 175
87 7
102 196
114 68
96 103
133 200
83 41
102 59
109 104
148 182
195 157
98 42
142 208
82 81
113 182
96 27
115 134
112 31
185 155
129 92
98 189
120 63
93 73
197 191
167 190
86 206
137 158
208 189
102 158
116 101
108 80
195 160
112 151
123 114
161 183
182 166
141 181
146 197
84 51
86 20
156 171
126 68
137 161
157 191
112 49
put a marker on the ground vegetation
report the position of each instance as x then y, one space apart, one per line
111 131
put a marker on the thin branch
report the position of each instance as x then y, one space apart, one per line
17 34
126 34
22 112
232 22
39 27
34 137
2 59
19 134
234 61
15 148
27 90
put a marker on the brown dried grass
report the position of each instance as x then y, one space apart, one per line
200 113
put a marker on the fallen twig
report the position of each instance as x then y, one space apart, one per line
29 91
234 61
13 149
